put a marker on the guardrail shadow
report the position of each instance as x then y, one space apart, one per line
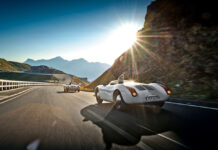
124 128
62 92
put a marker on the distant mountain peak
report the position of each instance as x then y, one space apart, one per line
58 57
79 60
28 59
79 67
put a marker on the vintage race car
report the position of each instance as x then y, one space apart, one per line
71 88
127 92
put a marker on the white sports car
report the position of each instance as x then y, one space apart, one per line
71 88
127 92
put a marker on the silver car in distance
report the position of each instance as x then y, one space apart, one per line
127 92
71 88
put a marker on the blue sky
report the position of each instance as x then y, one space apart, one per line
71 29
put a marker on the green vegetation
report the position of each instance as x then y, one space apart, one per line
26 77
13 66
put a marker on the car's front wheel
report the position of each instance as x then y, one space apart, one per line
118 101
99 100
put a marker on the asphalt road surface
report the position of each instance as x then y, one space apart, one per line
47 118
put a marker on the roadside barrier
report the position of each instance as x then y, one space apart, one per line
10 84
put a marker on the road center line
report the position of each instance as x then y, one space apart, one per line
126 135
161 135
190 105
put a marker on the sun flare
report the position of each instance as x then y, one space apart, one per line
114 43
120 39
124 36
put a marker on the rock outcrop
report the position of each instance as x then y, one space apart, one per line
177 46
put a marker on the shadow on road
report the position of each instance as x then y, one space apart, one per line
196 129
124 128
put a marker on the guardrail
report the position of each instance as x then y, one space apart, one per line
10 84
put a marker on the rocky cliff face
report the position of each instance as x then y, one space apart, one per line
177 46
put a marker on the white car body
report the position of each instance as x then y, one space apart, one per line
71 88
146 93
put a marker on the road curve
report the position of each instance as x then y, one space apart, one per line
47 118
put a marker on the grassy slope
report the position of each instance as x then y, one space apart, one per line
25 77
106 77
13 66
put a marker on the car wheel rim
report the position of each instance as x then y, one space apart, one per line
118 98
118 106
97 94
118 102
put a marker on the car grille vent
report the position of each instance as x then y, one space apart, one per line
140 87
148 87
144 87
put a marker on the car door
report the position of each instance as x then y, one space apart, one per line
102 92
109 92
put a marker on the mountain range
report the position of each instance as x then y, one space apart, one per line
11 70
78 67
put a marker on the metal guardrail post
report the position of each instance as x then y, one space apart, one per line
1 86
4 85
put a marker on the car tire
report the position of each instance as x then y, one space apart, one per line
99 100
118 104
157 107
160 104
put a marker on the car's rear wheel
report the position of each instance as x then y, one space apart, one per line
160 104
157 107
118 101
99 100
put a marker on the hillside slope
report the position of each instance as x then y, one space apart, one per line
13 66
44 69
177 46
19 76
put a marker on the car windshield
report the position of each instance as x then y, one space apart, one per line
113 82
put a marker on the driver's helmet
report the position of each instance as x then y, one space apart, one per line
121 79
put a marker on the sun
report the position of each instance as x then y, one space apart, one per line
115 42
124 36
